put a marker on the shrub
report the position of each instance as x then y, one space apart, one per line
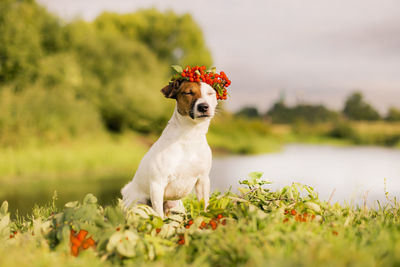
46 115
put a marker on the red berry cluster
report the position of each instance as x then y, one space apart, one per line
212 224
79 241
200 73
298 217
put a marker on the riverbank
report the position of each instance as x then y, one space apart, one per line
102 164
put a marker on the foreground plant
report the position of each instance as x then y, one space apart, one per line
290 226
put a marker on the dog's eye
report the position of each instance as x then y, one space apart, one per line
188 93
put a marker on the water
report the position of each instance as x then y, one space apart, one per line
352 171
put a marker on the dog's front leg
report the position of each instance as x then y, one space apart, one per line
157 198
203 189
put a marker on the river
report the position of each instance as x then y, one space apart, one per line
352 172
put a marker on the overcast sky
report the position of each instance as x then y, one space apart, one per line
315 51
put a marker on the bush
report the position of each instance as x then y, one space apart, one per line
342 130
44 115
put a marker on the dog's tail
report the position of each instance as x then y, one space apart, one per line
130 194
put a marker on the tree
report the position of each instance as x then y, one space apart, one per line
176 39
356 108
280 113
248 112
393 114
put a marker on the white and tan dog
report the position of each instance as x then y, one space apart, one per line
181 157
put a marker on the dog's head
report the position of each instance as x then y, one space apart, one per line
194 99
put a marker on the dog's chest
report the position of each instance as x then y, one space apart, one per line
191 164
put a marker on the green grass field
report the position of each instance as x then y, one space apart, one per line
257 227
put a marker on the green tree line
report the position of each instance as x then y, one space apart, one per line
60 79
355 108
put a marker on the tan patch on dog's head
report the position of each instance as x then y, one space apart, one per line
186 93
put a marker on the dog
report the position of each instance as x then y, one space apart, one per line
180 159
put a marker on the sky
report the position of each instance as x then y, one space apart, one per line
310 51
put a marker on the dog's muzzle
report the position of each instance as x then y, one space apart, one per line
201 110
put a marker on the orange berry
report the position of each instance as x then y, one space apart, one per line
82 234
213 225
75 241
293 212
203 225
75 250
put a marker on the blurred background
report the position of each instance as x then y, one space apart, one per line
315 95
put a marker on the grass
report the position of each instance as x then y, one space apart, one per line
102 154
257 227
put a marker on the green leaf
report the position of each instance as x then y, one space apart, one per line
4 208
177 68
90 199
72 204
256 175
313 206
157 222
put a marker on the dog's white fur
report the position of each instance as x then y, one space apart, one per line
177 162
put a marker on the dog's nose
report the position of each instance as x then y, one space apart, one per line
203 107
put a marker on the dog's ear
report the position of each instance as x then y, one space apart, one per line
171 90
